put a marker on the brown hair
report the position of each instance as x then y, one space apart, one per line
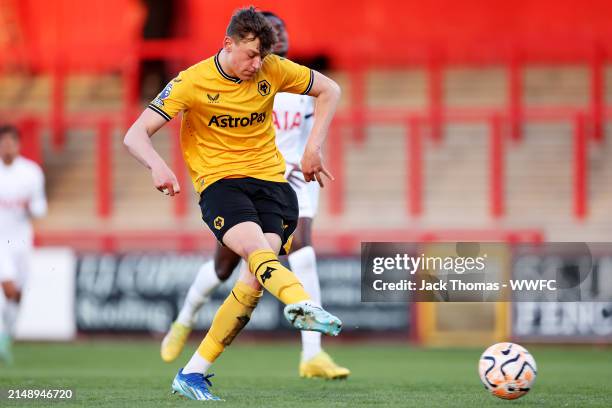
248 21
9 130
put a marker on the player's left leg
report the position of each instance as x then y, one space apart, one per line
9 303
5 339
192 381
303 261
231 317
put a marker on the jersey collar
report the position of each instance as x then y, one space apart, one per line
223 73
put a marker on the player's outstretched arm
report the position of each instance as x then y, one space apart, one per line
328 94
138 142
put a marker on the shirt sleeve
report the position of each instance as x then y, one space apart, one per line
294 78
175 97
37 207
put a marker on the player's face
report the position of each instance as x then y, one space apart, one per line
9 148
282 45
245 58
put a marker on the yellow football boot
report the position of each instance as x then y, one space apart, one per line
322 366
174 342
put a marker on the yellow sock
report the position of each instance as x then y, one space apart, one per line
230 319
277 279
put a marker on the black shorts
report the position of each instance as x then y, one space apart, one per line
272 205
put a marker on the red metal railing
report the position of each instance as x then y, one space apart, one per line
105 129
414 122
515 97
597 94
496 162
415 167
436 99
31 145
580 167
104 169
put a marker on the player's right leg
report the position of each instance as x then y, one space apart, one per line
239 212
235 312
246 240
209 277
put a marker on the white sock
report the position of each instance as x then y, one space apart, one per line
197 364
10 312
3 327
204 284
303 263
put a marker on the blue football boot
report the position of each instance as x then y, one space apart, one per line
193 386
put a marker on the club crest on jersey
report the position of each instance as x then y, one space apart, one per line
213 98
219 223
159 101
264 87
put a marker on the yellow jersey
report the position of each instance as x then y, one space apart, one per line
227 129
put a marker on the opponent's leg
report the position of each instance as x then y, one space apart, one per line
8 315
303 263
5 340
209 277
9 273
314 361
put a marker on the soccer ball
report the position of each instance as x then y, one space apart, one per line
507 370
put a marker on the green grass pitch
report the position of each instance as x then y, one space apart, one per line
131 374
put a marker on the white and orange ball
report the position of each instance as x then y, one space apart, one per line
507 370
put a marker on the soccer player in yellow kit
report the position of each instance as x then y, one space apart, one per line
292 114
227 139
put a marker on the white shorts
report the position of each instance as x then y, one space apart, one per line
14 265
307 193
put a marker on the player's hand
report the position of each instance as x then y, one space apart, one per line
312 165
165 180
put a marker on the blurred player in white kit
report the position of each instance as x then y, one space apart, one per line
22 197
